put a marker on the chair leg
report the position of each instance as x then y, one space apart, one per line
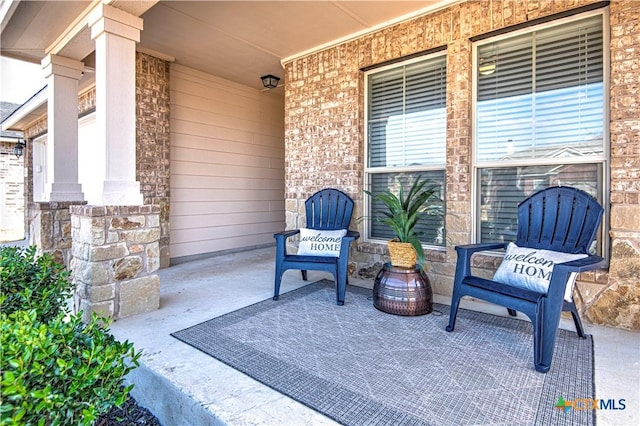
304 274
571 307
539 361
453 311
341 289
278 281
545 326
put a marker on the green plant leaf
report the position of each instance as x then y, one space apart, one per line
56 370
403 211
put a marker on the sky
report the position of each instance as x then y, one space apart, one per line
19 80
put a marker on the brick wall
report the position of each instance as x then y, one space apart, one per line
324 136
152 139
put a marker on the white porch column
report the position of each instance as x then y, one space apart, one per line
62 75
116 33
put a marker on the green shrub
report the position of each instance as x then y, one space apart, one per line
61 373
31 282
56 370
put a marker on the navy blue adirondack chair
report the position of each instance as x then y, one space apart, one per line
561 219
328 209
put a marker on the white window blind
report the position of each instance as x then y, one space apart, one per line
406 138
407 115
502 189
544 96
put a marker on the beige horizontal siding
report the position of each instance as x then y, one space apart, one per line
219 207
220 219
227 164
222 243
210 233
201 181
215 158
222 195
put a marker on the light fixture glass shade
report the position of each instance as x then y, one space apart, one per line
18 149
270 81
487 66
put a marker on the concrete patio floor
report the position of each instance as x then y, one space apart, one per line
183 386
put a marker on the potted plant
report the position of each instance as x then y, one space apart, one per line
402 214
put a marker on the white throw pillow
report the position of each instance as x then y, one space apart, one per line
531 268
315 242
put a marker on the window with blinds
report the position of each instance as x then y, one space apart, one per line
502 189
430 227
406 135
540 118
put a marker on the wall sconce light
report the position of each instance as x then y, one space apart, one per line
487 66
18 149
270 81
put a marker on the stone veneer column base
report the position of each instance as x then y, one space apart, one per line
50 228
115 258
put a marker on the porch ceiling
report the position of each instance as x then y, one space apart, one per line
235 40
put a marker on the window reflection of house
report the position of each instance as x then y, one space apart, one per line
502 189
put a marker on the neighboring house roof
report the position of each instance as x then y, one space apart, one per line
21 117
6 109
586 148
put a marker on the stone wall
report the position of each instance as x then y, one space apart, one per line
152 140
12 210
50 229
324 107
618 302
116 255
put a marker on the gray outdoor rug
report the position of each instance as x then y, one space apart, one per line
360 366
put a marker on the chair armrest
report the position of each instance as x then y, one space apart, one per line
281 240
580 265
463 264
562 271
469 249
352 235
346 243
286 234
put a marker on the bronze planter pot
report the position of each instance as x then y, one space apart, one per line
402 291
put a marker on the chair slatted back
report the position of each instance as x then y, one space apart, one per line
329 209
560 219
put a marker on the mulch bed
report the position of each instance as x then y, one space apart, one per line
129 414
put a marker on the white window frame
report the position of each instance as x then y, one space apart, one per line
368 171
604 160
